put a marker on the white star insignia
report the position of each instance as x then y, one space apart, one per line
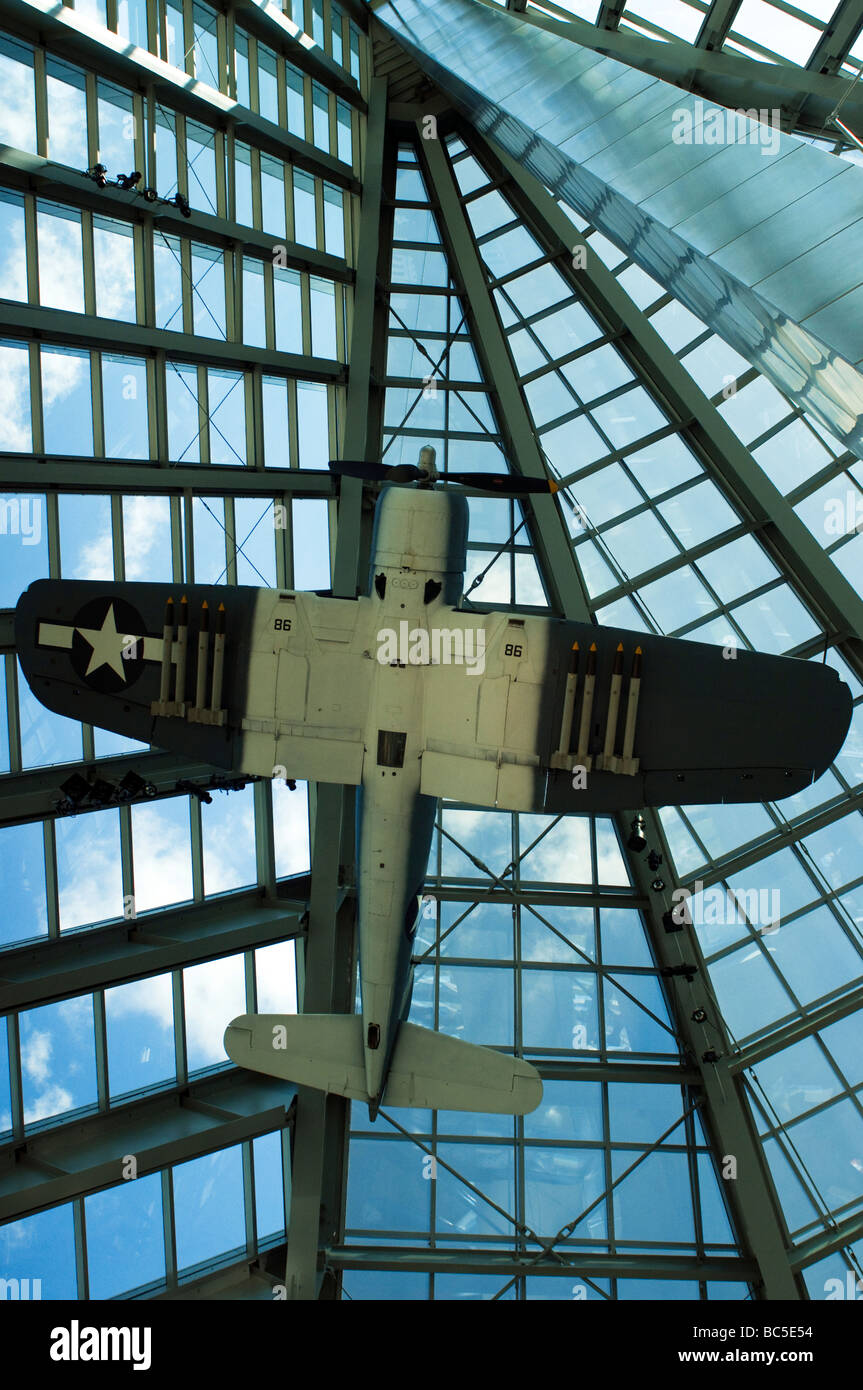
107 644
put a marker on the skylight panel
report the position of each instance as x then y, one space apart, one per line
779 32
209 1207
679 20
583 9
777 621
139 1021
290 828
228 831
115 1266
212 992
161 853
22 889
89 877
42 1247
58 1058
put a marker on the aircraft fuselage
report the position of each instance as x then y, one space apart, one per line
418 564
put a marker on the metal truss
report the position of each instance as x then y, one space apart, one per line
752 1200
88 1153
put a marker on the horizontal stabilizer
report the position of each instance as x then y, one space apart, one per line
429 1070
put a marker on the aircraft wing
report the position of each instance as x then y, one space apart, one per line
711 724
263 679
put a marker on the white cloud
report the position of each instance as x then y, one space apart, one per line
146 524
36 1051
61 273
162 858
52 1101
15 430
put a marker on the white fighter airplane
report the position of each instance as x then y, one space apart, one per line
409 695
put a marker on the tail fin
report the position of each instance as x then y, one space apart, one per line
429 1070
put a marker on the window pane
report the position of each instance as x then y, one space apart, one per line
124 402
114 253
18 108
61 257
67 115
13 264
66 402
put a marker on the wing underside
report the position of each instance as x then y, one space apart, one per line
259 681
549 725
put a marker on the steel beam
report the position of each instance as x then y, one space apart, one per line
87 1154
509 1264
367 354
750 1193
519 438
111 55
839 35
321 1136
30 173
717 22
26 796
811 1022
75 963
32 321
53 473
828 1242
652 1073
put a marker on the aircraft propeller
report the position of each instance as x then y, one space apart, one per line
506 484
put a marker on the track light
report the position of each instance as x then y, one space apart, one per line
75 789
99 175
637 840
132 785
101 793
127 181
150 195
178 201
200 793
653 861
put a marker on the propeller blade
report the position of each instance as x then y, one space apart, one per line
359 468
376 472
510 484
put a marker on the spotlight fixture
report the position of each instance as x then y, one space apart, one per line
99 175
669 923
101 793
131 786
184 785
150 195
653 861
699 1016
178 201
127 181
637 841
75 789
658 884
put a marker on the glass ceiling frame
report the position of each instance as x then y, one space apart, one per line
320 1150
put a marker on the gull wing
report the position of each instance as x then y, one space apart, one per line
263 681
711 724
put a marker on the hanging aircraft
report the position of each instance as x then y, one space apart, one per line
409 695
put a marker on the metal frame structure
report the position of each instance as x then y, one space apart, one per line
60 1160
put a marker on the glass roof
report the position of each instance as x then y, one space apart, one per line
534 936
